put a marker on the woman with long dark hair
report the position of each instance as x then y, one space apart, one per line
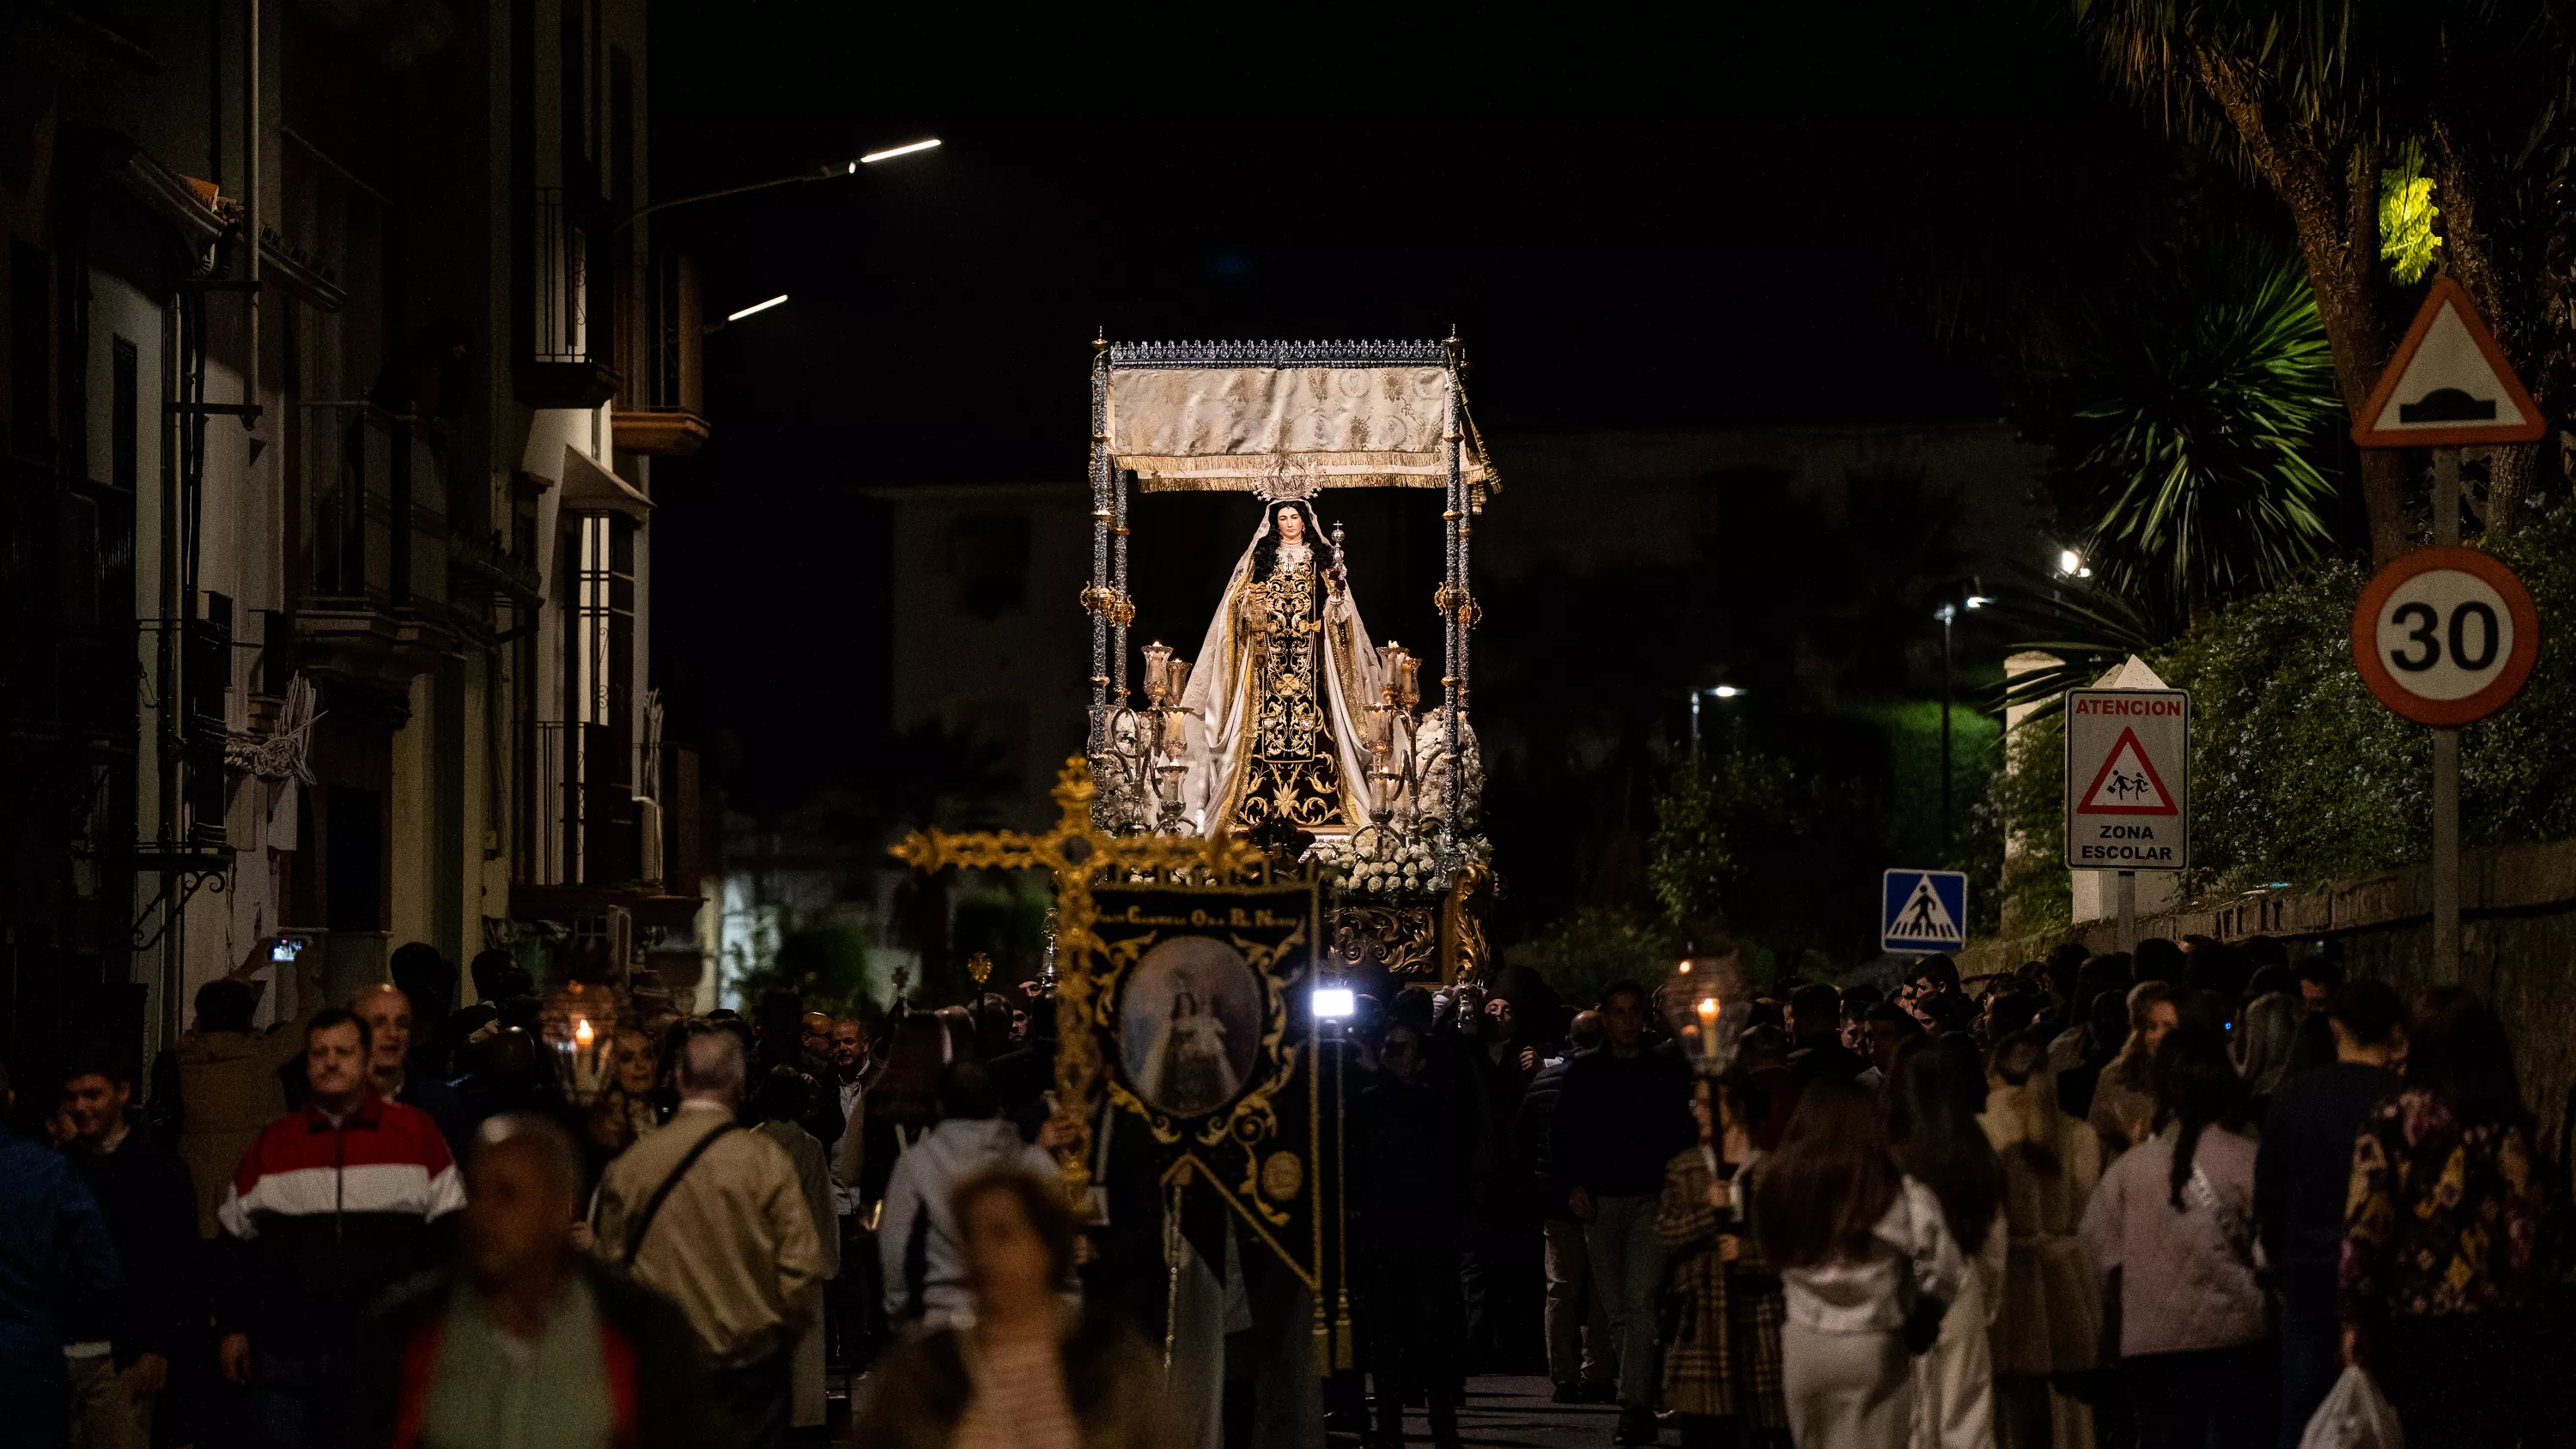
1932 1127
2441 1261
2174 1217
1866 1266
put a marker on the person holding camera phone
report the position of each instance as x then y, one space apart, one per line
229 1086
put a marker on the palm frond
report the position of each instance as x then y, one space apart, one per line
2188 424
2088 625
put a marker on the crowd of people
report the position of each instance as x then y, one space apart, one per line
2158 1198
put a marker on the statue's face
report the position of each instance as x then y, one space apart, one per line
1292 525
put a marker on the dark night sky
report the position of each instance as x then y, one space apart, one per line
1633 222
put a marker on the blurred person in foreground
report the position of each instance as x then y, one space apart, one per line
1026 1369
717 1219
2443 1274
524 1342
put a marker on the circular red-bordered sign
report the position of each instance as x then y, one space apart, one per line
2445 636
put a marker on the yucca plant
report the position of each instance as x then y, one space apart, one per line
2188 425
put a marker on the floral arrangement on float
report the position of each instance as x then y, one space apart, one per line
1391 865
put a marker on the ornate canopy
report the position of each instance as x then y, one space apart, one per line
1248 416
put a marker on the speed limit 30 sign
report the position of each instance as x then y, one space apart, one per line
2445 635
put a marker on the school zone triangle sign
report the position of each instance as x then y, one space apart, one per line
2128 783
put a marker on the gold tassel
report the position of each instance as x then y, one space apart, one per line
1323 1342
1343 1357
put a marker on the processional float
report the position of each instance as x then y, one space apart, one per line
1281 810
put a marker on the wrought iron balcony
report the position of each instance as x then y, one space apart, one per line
372 542
582 822
567 307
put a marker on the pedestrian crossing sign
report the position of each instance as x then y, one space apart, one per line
1923 911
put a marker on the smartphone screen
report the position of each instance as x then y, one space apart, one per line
284 949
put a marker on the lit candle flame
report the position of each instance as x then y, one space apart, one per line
582 1034
1708 1009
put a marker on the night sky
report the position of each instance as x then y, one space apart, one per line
1691 223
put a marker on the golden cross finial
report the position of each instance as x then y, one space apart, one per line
1076 853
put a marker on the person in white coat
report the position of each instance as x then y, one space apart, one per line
918 1243
1931 1102
1866 1263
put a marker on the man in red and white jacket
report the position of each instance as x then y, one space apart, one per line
332 1205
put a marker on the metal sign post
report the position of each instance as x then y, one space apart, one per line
2446 753
2445 635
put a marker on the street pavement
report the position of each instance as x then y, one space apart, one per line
1514 1413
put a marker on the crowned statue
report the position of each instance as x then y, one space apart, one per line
1277 703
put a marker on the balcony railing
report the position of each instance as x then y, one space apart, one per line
561 277
582 815
566 335
374 524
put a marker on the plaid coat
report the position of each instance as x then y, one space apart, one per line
1723 1357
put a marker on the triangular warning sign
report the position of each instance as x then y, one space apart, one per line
2447 384
2128 783
1925 918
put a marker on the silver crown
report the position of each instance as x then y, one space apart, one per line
1289 477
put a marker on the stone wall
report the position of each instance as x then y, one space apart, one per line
2517 944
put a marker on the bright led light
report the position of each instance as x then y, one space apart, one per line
891 152
1332 1003
1726 691
1978 601
756 307
2069 561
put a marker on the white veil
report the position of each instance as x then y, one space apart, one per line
1217 698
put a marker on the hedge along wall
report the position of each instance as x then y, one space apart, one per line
2517 945
2299 775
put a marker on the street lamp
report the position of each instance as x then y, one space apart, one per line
712 328
1723 691
1948 614
2071 564
830 172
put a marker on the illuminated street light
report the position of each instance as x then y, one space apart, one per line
1726 691
891 152
755 307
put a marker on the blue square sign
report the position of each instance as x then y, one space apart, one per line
1923 911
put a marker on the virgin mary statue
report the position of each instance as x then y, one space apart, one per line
1283 684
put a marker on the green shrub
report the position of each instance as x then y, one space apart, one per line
2298 773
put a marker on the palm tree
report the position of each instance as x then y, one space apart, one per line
2186 426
